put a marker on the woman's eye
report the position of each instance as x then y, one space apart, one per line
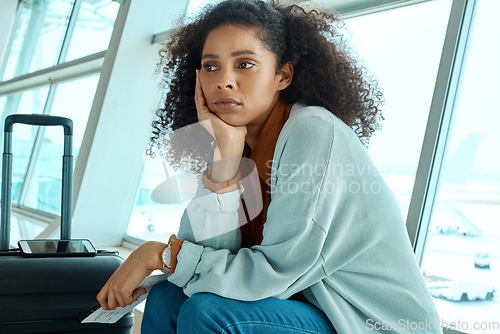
209 67
246 65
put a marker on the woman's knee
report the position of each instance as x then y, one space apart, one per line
164 294
162 308
200 313
199 304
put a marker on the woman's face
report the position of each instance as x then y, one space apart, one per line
238 76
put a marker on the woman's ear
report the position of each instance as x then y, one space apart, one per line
286 76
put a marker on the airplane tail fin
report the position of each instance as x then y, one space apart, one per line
459 164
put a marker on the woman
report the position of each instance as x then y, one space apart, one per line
276 87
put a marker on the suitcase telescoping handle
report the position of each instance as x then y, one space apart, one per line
67 172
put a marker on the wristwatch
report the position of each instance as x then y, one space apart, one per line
166 255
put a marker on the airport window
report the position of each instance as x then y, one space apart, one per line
38 34
45 35
461 260
72 99
161 197
160 201
405 61
93 28
24 136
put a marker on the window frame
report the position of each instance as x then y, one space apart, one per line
50 77
441 113
441 116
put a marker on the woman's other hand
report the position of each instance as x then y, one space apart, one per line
230 139
121 288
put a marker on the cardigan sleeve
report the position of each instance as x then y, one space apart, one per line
213 219
289 259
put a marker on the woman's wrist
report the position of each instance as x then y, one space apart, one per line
221 187
226 162
153 254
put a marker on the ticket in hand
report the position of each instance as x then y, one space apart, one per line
112 316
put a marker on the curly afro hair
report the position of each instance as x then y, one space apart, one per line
325 73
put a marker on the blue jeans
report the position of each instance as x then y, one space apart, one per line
168 310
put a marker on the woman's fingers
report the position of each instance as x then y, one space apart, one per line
205 117
117 294
112 304
137 293
102 297
122 298
199 99
109 300
230 139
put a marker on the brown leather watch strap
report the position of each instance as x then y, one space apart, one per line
176 248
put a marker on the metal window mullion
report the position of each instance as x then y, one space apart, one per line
99 95
31 37
38 216
69 31
439 123
35 152
15 27
77 68
367 8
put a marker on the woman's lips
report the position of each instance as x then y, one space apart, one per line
227 104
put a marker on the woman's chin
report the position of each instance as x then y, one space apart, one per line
232 120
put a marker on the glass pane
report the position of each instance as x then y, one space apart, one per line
23 136
93 28
403 54
162 197
462 256
24 228
73 100
38 36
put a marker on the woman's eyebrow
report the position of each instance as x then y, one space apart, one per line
233 54
244 52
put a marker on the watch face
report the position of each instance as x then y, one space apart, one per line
166 256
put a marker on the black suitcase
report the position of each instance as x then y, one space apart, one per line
50 294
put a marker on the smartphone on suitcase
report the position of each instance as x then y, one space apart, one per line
49 248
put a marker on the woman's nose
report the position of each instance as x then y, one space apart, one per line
226 81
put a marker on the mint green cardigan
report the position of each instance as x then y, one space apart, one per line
333 232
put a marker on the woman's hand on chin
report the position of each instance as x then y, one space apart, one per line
230 139
121 288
